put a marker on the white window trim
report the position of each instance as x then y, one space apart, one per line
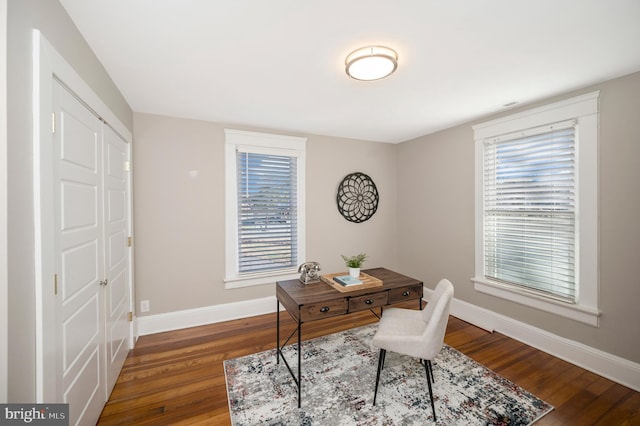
584 109
288 145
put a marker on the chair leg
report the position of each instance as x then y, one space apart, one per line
381 357
433 379
433 406
384 359
426 364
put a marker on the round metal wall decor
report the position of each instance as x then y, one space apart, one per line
357 197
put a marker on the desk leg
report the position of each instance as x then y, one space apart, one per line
280 354
299 365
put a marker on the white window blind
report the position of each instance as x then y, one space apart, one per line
530 210
267 212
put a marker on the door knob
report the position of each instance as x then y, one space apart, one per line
104 282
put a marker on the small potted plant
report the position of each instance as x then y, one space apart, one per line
354 263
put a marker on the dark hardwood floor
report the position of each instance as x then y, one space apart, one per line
177 377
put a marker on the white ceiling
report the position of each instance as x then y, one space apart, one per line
279 64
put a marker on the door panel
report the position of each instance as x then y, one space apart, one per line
79 245
118 206
82 326
77 271
85 396
80 146
117 255
73 194
117 249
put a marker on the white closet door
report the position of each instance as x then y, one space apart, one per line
79 258
117 254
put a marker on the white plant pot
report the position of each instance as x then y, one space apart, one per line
354 272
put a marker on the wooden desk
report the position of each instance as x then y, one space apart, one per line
319 300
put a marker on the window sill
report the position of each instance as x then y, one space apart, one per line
259 279
583 314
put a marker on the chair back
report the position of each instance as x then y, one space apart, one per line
436 314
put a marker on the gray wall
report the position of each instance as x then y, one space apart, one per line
436 220
179 220
425 225
50 18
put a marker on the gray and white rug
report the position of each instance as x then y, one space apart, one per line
339 373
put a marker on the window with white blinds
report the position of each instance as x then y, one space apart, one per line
536 208
264 207
529 210
267 212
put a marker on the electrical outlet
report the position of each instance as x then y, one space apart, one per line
145 306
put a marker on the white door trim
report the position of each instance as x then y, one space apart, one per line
47 65
4 281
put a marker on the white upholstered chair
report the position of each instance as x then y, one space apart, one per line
415 333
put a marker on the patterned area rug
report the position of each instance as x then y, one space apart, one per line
339 373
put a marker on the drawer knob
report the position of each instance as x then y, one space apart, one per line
324 309
368 301
405 293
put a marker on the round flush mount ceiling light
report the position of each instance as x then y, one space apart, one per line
371 63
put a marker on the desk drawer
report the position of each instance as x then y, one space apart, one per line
323 309
368 301
405 293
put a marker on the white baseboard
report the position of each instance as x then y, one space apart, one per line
207 315
618 369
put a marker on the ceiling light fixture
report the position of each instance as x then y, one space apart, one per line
371 63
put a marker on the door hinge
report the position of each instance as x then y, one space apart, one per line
130 316
55 284
127 166
130 241
53 122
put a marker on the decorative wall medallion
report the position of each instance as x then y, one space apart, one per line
357 197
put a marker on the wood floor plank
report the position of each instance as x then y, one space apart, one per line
612 396
177 377
626 413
